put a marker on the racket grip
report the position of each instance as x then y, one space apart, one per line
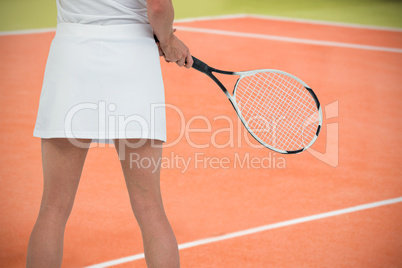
200 66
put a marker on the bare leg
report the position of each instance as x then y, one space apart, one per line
62 167
143 186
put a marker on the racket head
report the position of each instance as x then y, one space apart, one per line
278 109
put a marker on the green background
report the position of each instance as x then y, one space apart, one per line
32 14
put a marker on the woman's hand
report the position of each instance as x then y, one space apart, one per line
174 50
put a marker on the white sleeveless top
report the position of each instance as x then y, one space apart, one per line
102 12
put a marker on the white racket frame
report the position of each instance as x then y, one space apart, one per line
232 99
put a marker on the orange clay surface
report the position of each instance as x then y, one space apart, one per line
207 201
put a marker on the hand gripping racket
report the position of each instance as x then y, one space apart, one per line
278 109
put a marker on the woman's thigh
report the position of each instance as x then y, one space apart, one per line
141 162
62 166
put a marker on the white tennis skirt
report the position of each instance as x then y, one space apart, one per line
102 83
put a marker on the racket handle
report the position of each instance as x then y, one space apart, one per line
201 66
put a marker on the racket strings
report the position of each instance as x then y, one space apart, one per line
278 110
275 127
287 138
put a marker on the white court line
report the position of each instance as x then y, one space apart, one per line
237 16
258 230
328 23
32 31
247 35
287 19
289 39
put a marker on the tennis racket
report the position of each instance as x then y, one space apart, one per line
278 109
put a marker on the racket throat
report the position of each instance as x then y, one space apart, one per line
220 85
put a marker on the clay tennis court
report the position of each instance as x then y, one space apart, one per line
251 214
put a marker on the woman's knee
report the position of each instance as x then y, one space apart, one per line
53 213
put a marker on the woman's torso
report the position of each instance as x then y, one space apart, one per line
102 12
